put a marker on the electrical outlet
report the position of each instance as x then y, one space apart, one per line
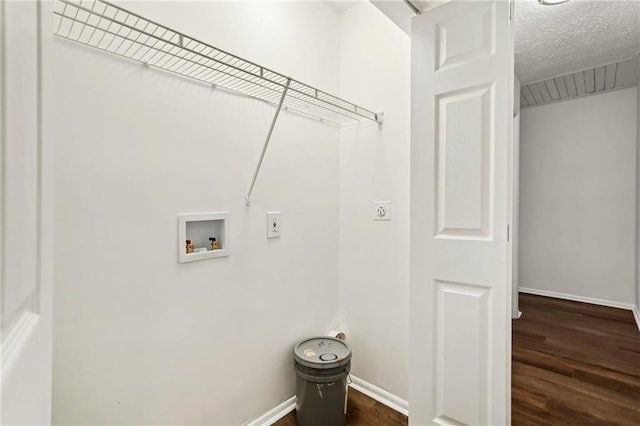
382 210
273 225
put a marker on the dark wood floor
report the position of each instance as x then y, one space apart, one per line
574 364
362 410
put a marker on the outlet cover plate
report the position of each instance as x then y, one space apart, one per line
274 227
382 210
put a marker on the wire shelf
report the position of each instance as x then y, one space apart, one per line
107 27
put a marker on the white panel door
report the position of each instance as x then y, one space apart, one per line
26 221
462 118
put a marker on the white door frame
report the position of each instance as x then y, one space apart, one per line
514 204
26 199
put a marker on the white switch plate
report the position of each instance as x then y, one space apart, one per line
382 210
273 225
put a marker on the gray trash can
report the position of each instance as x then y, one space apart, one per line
322 365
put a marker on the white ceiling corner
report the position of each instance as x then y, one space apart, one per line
397 11
342 5
401 14
555 40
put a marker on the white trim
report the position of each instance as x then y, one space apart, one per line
592 300
16 342
380 395
275 414
636 315
384 397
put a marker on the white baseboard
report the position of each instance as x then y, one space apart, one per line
610 303
372 391
380 395
275 414
592 300
636 315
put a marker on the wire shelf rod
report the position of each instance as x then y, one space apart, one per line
126 34
266 144
158 38
229 74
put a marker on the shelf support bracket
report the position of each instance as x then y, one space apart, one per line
266 142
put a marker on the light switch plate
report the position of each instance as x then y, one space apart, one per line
382 210
274 227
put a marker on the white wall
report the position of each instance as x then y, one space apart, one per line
138 337
374 165
577 196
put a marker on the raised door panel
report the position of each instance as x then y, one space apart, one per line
463 163
467 36
463 336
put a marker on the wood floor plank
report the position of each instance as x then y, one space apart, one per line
598 401
574 364
361 411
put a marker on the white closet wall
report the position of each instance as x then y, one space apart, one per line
577 197
374 165
140 338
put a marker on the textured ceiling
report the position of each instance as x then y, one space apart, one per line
555 40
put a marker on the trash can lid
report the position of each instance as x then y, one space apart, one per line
322 353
